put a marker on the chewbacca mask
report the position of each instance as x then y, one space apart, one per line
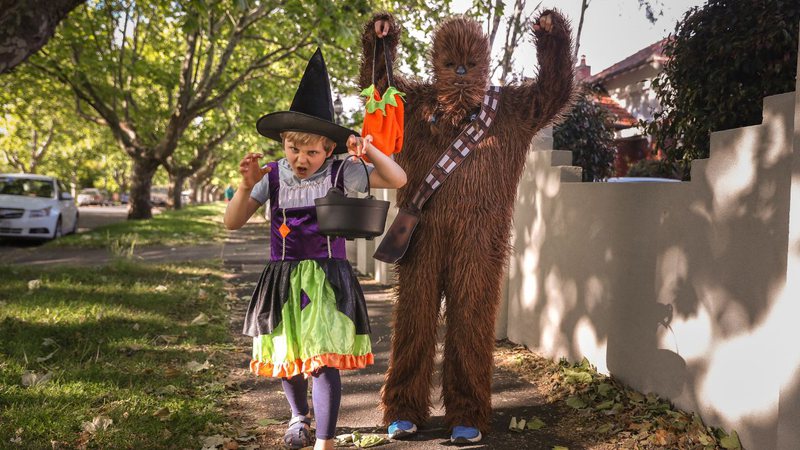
460 248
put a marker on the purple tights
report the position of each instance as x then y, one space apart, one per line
326 396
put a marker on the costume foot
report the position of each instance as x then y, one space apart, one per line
401 428
465 435
297 435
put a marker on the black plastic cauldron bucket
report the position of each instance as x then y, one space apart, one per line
351 217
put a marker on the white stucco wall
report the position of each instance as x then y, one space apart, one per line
599 269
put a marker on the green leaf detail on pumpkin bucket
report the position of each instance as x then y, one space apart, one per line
373 105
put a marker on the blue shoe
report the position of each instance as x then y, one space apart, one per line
465 435
401 428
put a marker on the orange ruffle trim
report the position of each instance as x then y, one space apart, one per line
290 369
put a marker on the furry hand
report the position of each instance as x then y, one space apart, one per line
545 23
250 170
382 27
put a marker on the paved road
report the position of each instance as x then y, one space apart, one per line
90 217
95 216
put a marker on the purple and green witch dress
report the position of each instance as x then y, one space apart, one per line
307 310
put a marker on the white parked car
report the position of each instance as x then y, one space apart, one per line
91 196
159 195
35 206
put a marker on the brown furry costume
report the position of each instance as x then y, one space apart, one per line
460 247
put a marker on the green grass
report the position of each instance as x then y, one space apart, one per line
118 348
192 225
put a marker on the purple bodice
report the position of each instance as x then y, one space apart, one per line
299 238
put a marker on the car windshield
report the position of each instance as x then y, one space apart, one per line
26 187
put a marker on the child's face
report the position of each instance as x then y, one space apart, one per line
305 159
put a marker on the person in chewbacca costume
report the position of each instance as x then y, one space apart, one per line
460 248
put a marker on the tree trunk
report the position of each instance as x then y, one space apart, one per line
26 25
141 181
196 190
176 185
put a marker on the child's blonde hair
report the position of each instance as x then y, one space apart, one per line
301 137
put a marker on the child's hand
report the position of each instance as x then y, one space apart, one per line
357 146
251 171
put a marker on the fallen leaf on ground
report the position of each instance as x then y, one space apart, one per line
576 402
267 422
369 440
344 439
31 379
46 342
45 358
160 288
201 319
535 423
212 442
195 366
731 442
162 414
165 339
99 423
202 294
34 284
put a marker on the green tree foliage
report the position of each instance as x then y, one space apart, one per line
163 77
724 58
39 132
587 132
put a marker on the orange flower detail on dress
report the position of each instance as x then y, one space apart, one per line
284 230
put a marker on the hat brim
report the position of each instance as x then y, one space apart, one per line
273 124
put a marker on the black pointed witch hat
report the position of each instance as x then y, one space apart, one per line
311 110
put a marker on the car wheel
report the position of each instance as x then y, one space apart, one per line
57 232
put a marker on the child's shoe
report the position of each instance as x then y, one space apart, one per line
465 435
401 428
297 434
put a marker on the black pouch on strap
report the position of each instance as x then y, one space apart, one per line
395 242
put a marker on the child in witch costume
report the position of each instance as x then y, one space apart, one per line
308 316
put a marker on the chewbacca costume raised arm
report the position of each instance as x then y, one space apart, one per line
460 248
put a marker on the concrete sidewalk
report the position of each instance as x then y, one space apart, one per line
244 256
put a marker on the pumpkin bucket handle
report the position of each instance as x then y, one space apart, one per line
341 169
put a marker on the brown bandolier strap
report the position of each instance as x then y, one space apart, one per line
395 243
459 149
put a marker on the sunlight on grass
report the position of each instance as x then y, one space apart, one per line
192 225
115 341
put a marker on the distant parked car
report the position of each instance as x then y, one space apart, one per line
91 196
159 195
35 206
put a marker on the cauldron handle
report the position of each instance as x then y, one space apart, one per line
341 169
